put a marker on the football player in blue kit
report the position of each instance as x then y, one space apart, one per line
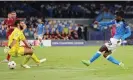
122 32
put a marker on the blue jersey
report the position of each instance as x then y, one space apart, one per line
40 29
123 31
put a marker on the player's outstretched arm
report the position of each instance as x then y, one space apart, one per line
106 23
128 33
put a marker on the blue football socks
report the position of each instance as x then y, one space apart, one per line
96 55
111 59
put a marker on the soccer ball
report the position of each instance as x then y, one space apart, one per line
12 65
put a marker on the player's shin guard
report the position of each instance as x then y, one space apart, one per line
26 59
35 58
111 59
96 55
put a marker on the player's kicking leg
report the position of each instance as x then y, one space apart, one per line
28 53
106 53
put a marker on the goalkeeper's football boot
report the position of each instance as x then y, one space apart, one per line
26 66
86 62
5 61
41 61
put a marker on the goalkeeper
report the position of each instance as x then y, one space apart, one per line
14 48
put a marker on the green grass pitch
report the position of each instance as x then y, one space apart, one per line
64 63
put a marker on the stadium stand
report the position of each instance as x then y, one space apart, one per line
32 11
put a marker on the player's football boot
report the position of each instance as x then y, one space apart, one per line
122 65
5 61
41 61
86 62
26 66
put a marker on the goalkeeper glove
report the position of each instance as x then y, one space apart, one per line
6 50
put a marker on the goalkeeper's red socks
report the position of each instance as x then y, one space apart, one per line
8 57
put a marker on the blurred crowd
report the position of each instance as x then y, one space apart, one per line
64 9
53 29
